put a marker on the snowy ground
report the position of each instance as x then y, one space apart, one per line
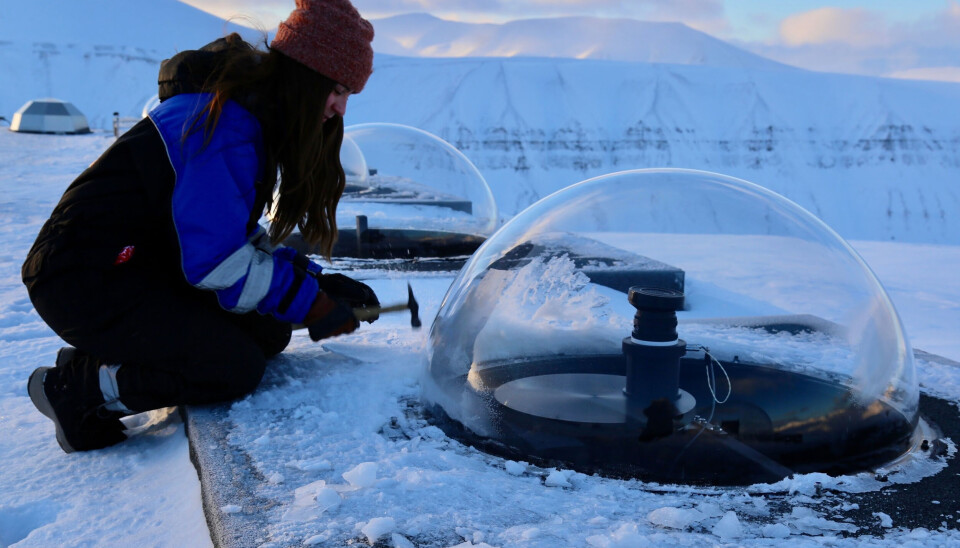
313 431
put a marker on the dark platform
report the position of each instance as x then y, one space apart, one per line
228 477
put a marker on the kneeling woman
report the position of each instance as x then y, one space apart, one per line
153 265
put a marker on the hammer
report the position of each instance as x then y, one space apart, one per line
363 314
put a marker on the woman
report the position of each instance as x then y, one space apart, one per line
153 266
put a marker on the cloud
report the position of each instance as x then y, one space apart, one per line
704 15
862 41
856 27
942 74
654 10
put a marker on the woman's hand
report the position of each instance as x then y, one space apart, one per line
355 294
329 317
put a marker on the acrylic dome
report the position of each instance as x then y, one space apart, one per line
755 342
415 180
408 195
354 164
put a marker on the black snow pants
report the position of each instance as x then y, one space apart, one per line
174 343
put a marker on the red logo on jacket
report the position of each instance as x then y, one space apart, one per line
125 255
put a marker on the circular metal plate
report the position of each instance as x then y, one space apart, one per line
576 397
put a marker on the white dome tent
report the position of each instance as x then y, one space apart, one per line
49 116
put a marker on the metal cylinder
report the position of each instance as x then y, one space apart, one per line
653 350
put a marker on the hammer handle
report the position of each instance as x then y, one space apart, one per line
367 313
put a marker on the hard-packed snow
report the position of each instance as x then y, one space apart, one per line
330 433
331 429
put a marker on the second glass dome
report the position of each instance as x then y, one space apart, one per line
789 357
408 195
409 189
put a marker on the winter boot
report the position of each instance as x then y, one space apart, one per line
70 395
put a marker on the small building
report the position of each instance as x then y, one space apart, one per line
49 116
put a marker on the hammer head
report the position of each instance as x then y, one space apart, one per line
414 308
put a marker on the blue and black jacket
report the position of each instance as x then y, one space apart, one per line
164 204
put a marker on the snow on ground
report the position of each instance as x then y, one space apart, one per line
313 430
143 494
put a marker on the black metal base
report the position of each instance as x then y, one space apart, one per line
394 244
776 423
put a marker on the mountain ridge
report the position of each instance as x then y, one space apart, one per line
875 158
583 37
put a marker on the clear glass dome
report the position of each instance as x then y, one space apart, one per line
354 164
786 354
408 195
414 180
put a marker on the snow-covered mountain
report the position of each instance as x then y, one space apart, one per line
874 158
101 55
160 25
423 35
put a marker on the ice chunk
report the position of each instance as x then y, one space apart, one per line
885 519
231 509
515 468
808 522
400 541
728 528
775 530
378 527
559 478
626 536
327 499
675 518
362 475
311 500
311 465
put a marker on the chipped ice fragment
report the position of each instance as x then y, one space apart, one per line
710 509
311 500
885 519
728 527
400 541
231 508
316 540
327 499
362 475
311 465
808 522
378 527
675 518
515 468
775 530
432 432
559 478
626 536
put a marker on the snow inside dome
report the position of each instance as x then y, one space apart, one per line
754 344
410 193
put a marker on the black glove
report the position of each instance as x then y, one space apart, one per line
355 294
329 317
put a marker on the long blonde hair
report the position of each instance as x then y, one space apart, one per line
302 151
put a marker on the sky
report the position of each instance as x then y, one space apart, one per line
880 37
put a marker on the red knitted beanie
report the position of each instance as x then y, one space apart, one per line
330 37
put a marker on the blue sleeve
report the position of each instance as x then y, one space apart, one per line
213 197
